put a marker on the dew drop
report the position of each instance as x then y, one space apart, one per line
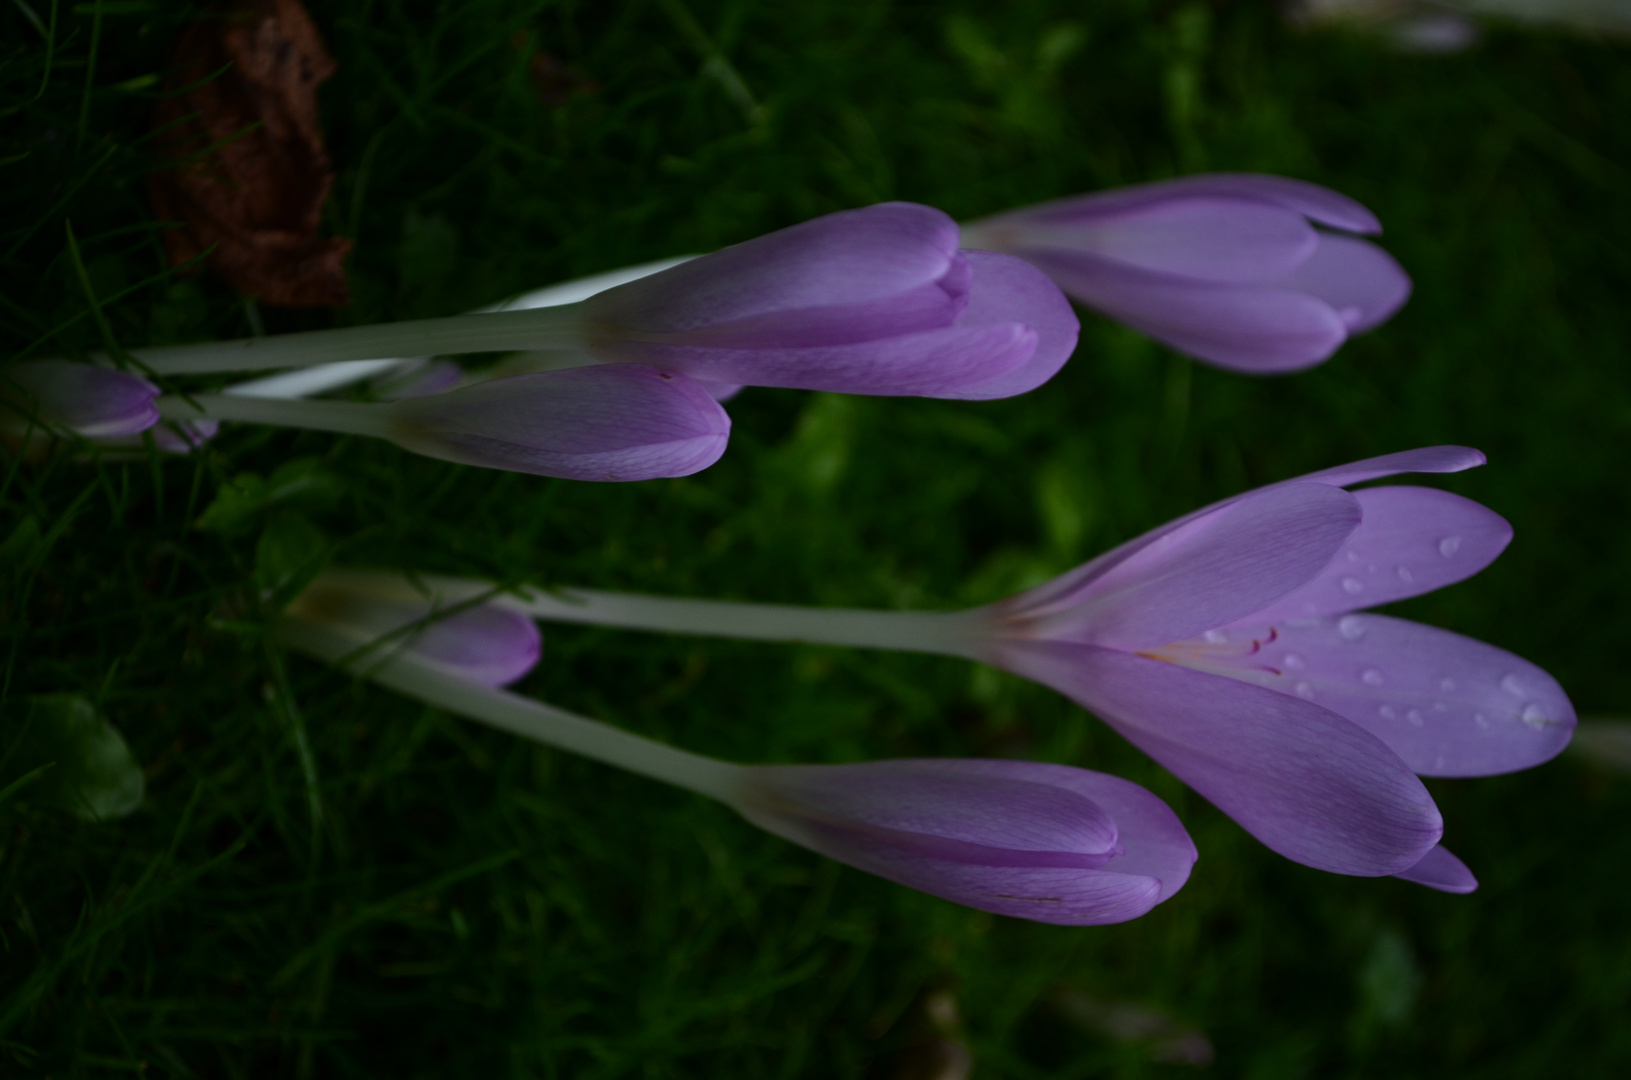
1293 662
1305 690
1481 720
1387 712
1353 556
1351 627
1534 716
1449 546
1371 677
1352 586
1404 574
1510 685
1446 684
1439 706
1415 717
1216 637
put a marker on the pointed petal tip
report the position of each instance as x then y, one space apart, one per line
1441 870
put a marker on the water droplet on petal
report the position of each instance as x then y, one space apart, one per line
1511 685
1534 716
1351 627
1305 690
1446 684
1481 720
1352 586
1353 556
1415 717
1404 574
1439 706
1293 662
1387 712
1371 677
1449 546
1216 637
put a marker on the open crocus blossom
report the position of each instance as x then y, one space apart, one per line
1228 646
86 399
1226 267
878 300
623 422
1037 841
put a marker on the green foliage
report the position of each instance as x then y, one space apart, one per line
326 880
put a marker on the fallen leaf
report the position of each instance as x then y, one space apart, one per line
249 172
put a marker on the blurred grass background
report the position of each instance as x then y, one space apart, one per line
329 881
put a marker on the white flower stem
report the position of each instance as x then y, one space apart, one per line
956 633
559 327
521 716
345 417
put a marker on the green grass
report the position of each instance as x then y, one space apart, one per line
414 896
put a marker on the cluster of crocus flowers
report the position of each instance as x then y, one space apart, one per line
891 299
880 300
1033 840
1228 645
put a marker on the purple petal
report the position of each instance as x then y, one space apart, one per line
1253 328
1006 290
1363 284
1441 870
938 363
1205 573
616 422
1016 838
1412 540
184 436
490 645
1303 780
1317 203
485 644
1446 704
878 271
1051 594
95 402
1428 459
1205 238
919 805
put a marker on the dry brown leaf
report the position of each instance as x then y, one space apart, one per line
250 171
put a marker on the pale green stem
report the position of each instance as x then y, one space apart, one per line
345 417
558 327
513 713
955 633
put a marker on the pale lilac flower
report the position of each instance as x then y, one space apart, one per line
878 300
1050 843
1225 645
480 643
1226 267
616 422
86 399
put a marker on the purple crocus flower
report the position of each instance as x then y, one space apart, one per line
1050 843
86 399
1038 841
481 643
1227 647
612 422
1226 267
878 300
